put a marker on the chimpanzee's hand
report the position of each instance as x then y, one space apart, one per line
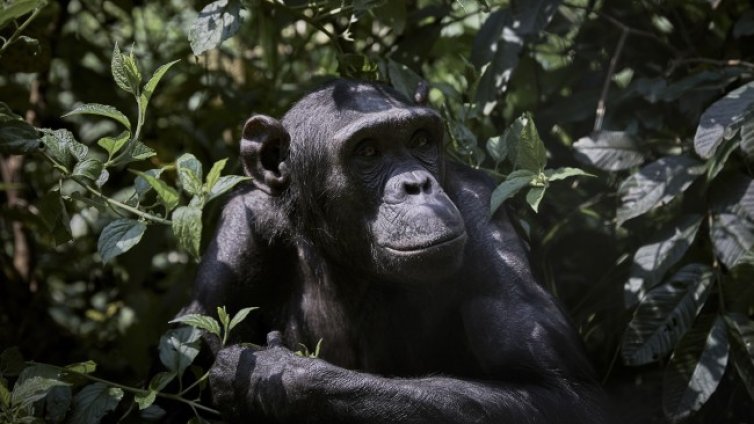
270 382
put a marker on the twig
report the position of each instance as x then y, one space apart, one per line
17 32
600 113
718 62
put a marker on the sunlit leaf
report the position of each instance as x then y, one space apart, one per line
609 151
93 402
190 173
118 237
32 390
187 227
101 110
695 368
203 322
656 184
113 144
224 184
652 260
240 316
155 79
168 195
732 237
179 347
530 151
217 22
214 174
534 196
565 172
724 115
515 181
665 314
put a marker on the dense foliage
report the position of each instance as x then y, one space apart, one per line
111 111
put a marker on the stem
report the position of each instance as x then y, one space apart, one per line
113 202
194 384
17 32
135 137
600 113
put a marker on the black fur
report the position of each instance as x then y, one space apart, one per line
426 306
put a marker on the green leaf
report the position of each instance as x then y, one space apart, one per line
132 73
93 402
63 147
203 322
497 149
747 137
190 173
32 389
55 217
565 172
86 367
653 260
155 79
530 152
4 395
665 314
214 174
718 160
240 316
57 404
732 237
515 181
168 195
179 347
156 384
18 8
741 329
403 78
113 145
656 184
141 185
18 138
535 196
695 368
89 169
118 237
140 151
118 70
187 227
11 361
153 413
217 22
609 151
223 315
723 116
101 110
224 184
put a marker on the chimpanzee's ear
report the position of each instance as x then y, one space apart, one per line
264 153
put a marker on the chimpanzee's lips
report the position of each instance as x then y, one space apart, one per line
452 239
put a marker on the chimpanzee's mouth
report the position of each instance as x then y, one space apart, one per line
449 241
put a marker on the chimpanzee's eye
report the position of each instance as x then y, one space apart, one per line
420 140
367 149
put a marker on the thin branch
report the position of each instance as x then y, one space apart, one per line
17 32
600 113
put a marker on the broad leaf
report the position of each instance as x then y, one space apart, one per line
240 316
118 237
732 237
530 152
203 322
214 174
190 173
168 195
217 22
403 78
89 169
534 196
155 79
695 368
497 149
32 389
224 184
724 115
18 8
156 384
656 184
741 329
86 367
515 181
141 185
101 110
747 137
93 402
179 347
62 147
609 151
565 172
734 194
118 69
18 138
187 227
113 145
57 404
651 261
665 314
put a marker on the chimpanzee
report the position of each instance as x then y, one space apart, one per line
357 232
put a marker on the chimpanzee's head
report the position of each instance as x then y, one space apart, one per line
361 170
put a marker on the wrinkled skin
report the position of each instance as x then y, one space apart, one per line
357 232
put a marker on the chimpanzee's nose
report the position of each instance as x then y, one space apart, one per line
417 182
